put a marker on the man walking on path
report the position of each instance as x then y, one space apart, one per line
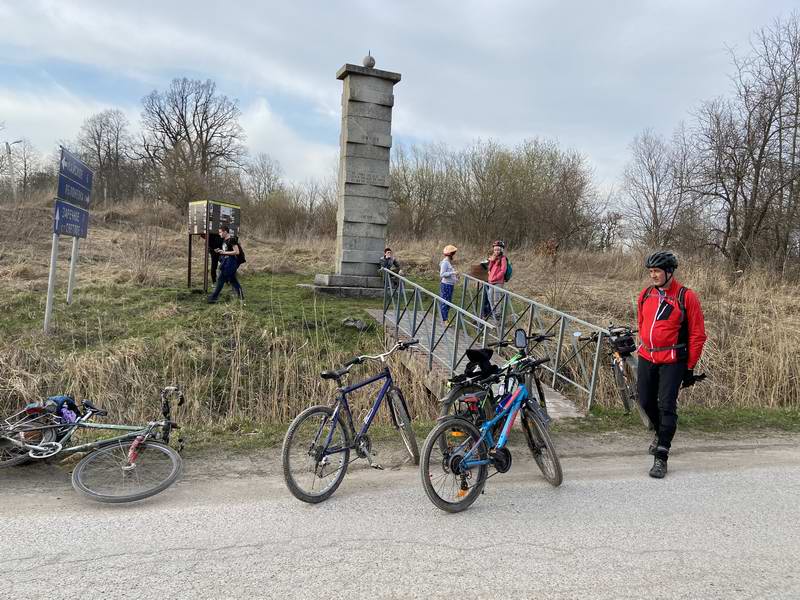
232 256
672 332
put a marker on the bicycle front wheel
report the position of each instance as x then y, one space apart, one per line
541 446
313 468
118 473
449 485
403 420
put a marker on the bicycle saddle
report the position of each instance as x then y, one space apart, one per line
98 411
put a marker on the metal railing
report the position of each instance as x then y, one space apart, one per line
488 313
418 310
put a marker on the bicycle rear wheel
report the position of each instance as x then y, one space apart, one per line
542 448
11 454
403 420
311 473
110 475
450 487
625 380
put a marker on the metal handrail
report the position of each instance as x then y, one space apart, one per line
396 286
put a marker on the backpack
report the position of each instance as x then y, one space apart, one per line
240 256
683 334
509 270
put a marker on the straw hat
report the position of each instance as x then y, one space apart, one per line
449 249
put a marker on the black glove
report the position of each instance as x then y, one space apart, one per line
688 378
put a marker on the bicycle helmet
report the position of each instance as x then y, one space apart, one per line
500 243
662 260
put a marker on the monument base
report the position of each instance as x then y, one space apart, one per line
346 286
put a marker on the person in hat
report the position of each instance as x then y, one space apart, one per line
449 278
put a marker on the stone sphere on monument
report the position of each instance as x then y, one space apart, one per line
369 61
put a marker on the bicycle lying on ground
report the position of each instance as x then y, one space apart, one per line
132 466
316 449
457 453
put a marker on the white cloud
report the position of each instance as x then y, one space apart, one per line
48 116
300 158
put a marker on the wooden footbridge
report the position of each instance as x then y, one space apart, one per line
481 313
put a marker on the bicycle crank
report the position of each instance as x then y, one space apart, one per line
45 450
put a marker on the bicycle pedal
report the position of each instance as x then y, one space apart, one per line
377 466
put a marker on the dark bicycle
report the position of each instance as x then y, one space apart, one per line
132 466
457 453
316 449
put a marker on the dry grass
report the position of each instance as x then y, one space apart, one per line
267 369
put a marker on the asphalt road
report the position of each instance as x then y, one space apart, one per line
724 524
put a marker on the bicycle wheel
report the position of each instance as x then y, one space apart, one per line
403 420
625 392
108 475
625 380
311 474
11 454
454 405
542 448
448 486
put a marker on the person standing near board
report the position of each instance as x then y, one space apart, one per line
231 256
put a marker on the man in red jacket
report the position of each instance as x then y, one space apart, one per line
672 332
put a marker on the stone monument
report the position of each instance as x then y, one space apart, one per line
363 185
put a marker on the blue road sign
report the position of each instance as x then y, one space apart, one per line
72 192
75 169
74 180
70 220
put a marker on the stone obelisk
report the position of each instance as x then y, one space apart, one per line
363 185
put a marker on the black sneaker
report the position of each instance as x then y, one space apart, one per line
659 469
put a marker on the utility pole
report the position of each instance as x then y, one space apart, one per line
11 169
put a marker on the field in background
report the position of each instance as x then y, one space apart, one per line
135 326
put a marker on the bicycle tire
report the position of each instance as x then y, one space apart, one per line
11 455
629 383
400 410
434 484
115 457
542 448
620 383
453 405
292 437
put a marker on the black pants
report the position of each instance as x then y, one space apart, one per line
658 394
214 265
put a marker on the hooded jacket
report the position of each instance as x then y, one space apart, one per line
660 321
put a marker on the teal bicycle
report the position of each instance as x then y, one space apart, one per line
136 464
457 453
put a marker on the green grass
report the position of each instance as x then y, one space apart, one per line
110 314
690 418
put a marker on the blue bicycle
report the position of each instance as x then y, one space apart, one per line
316 449
457 453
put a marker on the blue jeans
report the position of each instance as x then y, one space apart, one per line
227 274
446 292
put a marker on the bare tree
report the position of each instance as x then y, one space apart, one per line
653 191
105 143
263 176
190 133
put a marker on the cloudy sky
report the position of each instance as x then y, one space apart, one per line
589 74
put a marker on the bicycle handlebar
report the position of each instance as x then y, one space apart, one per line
401 345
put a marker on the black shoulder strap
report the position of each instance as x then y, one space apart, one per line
682 301
645 296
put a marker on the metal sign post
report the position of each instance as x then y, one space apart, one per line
70 217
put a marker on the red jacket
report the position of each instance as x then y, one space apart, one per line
497 270
660 321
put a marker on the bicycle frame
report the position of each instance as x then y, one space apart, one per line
513 403
341 401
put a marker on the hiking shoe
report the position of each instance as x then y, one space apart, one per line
659 469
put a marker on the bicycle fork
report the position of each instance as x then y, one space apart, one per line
133 453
